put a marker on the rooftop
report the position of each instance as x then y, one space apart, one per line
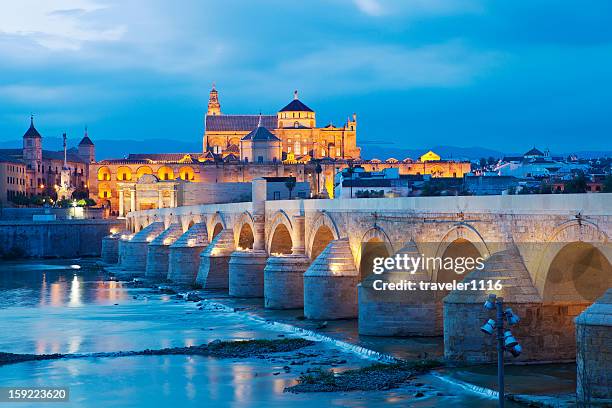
228 123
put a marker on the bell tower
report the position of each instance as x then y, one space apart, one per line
214 107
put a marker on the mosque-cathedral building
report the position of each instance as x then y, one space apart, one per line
236 149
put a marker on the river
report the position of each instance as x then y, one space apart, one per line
71 306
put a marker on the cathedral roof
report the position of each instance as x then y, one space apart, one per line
296 106
260 134
225 123
32 133
534 152
86 141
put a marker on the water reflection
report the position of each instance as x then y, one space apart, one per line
75 292
52 285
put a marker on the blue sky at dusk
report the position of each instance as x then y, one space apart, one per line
504 75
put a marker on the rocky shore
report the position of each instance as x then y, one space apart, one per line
375 377
217 348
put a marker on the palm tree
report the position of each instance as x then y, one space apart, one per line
290 184
318 170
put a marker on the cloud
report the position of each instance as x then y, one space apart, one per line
370 7
379 67
57 25
416 8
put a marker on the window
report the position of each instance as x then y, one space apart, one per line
259 159
296 124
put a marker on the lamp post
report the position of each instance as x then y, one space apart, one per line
505 339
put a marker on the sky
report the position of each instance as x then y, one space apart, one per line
504 75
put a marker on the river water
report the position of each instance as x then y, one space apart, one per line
71 307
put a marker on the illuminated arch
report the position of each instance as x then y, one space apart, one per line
124 173
319 233
215 224
104 174
104 190
243 227
571 232
385 249
142 170
165 173
187 173
279 218
459 234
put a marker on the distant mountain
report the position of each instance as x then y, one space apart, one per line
446 152
114 149
370 151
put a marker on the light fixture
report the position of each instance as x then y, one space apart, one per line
488 327
511 317
509 340
516 350
490 303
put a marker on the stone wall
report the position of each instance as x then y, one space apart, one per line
594 354
61 239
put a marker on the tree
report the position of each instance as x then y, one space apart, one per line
290 184
607 184
492 160
431 188
80 193
483 162
318 170
577 185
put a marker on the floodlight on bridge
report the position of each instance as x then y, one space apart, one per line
488 327
490 303
509 340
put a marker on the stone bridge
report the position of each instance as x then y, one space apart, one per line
552 254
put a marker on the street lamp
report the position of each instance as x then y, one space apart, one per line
505 340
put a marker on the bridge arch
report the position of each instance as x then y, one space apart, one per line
379 245
215 224
244 231
321 232
574 264
462 239
280 233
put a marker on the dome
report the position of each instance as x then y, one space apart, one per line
296 105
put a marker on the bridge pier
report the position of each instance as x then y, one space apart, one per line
213 272
594 352
110 248
284 281
134 257
397 312
184 259
121 245
330 283
158 252
246 272
540 334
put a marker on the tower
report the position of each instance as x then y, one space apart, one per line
214 107
86 148
296 115
32 148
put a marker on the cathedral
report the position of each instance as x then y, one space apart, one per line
294 128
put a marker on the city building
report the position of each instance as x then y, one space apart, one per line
356 182
537 164
45 170
240 148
